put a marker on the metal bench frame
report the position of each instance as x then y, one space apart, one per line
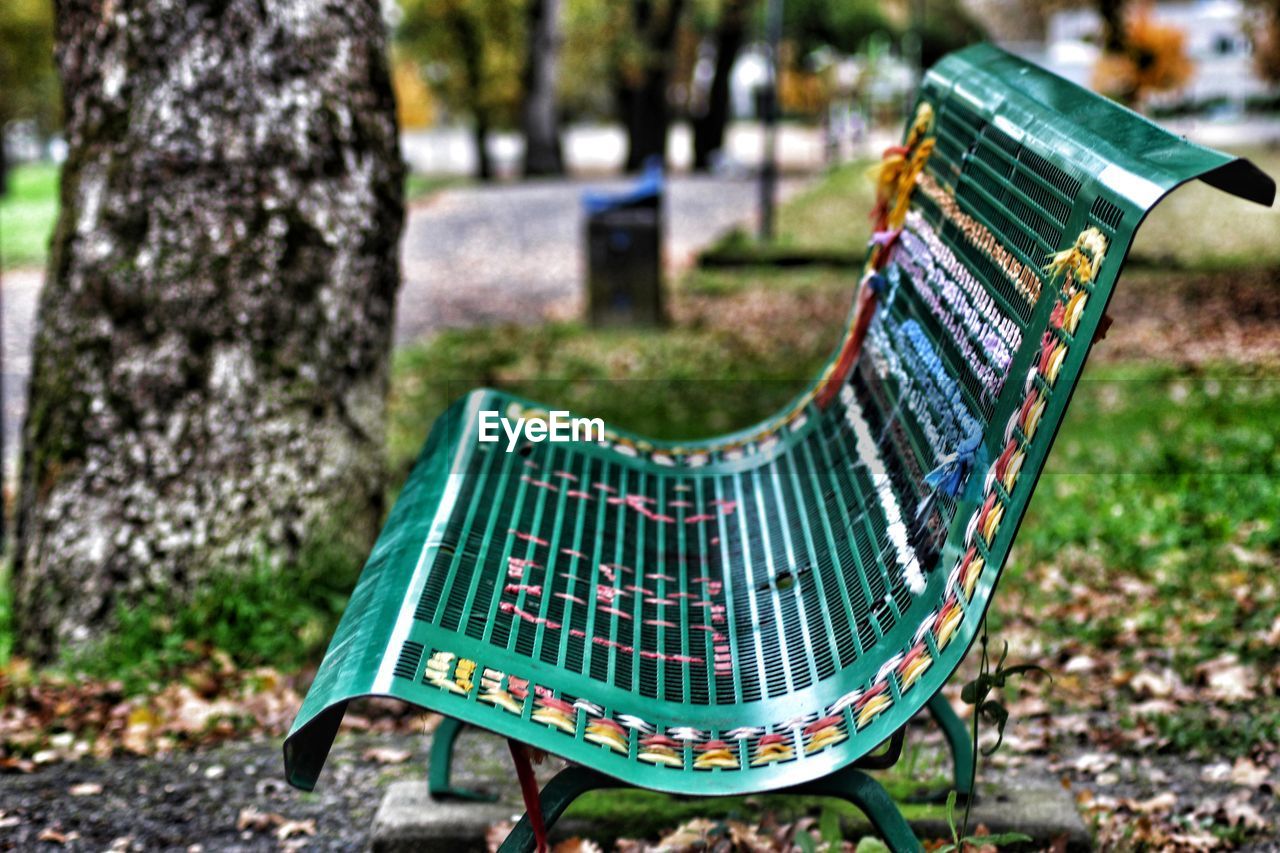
681 644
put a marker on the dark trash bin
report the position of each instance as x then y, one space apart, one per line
624 253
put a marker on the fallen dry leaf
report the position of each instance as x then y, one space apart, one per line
689 834
55 836
1227 680
1218 772
1157 685
1233 810
257 821
289 828
386 755
1247 774
745 837
1093 763
1159 804
85 789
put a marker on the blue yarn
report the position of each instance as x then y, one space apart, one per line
928 369
949 476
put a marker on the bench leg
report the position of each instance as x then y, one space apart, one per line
848 784
567 785
959 739
438 785
870 796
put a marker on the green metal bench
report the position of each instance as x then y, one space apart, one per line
761 611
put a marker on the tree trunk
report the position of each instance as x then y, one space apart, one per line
210 359
480 139
1115 40
642 102
542 155
471 46
647 121
1113 30
709 128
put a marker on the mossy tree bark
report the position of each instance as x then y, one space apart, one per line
210 362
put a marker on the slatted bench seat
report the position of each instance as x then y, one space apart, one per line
761 611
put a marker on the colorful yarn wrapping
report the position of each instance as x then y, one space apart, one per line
1023 278
952 471
1083 259
878 284
932 397
895 176
925 365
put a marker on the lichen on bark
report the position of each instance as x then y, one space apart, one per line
211 354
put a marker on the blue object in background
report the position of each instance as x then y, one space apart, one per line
645 192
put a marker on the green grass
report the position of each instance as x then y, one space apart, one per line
833 214
27 215
6 614
828 221
1152 541
1185 231
1172 482
1202 228
690 381
251 619
419 187
646 814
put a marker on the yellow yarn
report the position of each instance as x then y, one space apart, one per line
902 197
1083 259
895 176
920 124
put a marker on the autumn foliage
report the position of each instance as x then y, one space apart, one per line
1152 58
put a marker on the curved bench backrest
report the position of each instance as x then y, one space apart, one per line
1010 210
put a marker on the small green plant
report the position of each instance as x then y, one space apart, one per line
960 839
979 693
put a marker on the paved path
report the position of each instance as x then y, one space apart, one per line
513 253
471 256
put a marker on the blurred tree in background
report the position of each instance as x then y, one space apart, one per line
939 26
1266 54
946 26
473 54
725 25
643 74
644 63
590 29
541 113
28 81
210 359
844 26
1140 56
